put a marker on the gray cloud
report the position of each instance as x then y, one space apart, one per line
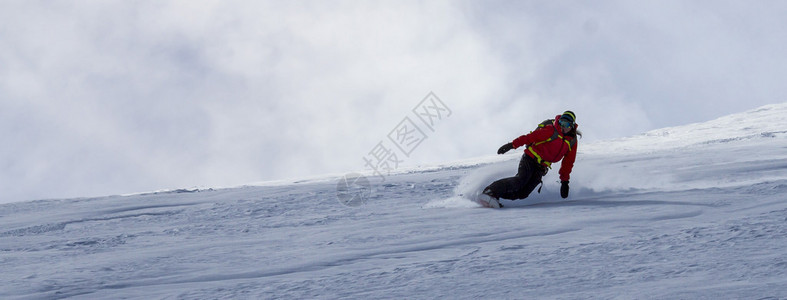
119 97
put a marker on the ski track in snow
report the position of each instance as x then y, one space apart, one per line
694 212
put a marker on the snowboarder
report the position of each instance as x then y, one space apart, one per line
552 141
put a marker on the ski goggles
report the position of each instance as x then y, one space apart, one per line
566 123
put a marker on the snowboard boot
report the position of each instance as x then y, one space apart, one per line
489 197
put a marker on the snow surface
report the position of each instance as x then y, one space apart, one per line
690 212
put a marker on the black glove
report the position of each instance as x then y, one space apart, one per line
505 148
564 189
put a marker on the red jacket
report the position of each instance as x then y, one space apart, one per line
549 145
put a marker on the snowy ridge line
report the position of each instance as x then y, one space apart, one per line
335 177
331 177
341 260
166 191
171 191
756 123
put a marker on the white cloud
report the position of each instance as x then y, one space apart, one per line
150 95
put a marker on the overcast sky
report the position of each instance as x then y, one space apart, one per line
113 97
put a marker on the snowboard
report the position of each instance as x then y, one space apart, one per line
485 200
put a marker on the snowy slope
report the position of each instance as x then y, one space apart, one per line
690 212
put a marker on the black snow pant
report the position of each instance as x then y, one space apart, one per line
521 185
